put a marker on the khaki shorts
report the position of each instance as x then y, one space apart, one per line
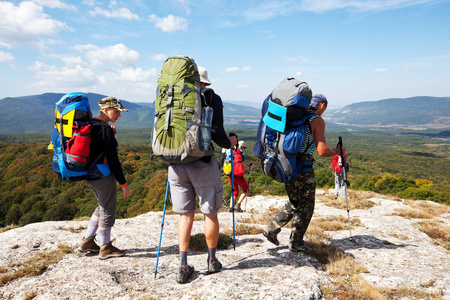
196 178
105 190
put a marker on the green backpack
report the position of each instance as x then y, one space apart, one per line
179 133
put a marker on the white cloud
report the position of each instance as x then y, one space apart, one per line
381 70
53 78
232 69
125 80
185 4
170 23
70 61
361 5
298 74
108 70
55 4
6 57
159 57
236 69
81 48
299 58
26 24
267 9
88 2
117 55
136 74
119 13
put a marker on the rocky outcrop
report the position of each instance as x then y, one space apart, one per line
392 250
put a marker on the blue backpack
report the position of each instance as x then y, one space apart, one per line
281 131
71 139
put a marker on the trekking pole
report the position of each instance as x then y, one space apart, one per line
232 199
345 188
162 225
248 194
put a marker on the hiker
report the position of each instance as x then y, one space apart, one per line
301 191
202 178
105 188
339 180
238 176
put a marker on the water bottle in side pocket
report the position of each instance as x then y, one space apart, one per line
207 115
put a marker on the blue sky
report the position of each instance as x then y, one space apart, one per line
349 50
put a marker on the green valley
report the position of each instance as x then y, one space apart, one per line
407 164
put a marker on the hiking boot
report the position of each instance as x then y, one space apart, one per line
271 237
214 265
88 245
108 250
295 247
230 210
238 208
184 274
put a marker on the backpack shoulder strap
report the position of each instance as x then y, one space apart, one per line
203 90
309 117
97 122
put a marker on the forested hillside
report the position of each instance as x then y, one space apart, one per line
409 166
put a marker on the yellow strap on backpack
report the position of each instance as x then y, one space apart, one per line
67 122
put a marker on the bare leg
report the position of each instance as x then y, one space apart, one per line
242 197
211 230
184 230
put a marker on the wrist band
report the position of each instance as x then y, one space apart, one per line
124 185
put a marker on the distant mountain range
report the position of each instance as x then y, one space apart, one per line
427 112
35 114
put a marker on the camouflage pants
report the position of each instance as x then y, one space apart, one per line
299 208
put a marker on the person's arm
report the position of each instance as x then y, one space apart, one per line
110 148
318 131
218 133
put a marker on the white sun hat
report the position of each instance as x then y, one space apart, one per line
203 75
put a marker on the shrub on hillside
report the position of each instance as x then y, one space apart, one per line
441 197
324 178
365 182
389 184
417 193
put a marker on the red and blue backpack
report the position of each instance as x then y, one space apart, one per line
71 138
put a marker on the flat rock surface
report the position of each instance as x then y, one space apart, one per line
393 251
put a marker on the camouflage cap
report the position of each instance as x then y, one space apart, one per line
111 102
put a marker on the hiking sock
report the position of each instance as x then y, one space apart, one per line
211 253
104 235
92 228
183 258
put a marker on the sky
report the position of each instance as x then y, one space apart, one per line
348 50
